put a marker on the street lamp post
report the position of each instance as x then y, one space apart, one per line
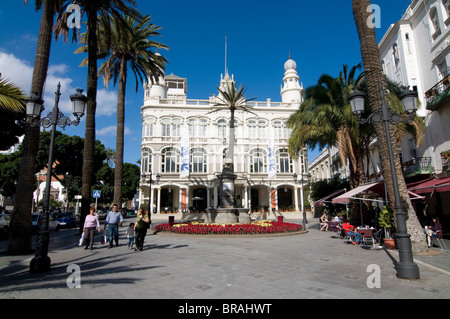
150 181
301 181
406 268
41 262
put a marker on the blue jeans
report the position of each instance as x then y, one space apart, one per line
357 236
113 230
130 242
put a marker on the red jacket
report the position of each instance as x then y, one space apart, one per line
347 227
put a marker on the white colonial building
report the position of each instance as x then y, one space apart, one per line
172 122
415 52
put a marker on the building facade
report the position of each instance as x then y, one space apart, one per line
178 133
415 52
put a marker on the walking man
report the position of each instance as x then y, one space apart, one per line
113 220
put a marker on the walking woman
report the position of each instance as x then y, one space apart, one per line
90 223
142 224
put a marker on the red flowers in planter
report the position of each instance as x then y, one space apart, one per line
198 228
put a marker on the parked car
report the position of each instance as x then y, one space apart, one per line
67 219
53 224
101 214
4 223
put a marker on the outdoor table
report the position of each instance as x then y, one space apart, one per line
366 235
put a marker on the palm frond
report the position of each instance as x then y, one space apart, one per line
11 97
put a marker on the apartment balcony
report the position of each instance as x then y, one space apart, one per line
439 95
445 157
418 166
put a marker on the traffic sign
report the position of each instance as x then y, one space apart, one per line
96 194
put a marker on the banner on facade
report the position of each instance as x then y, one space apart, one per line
272 163
184 169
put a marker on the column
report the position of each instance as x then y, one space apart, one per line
158 204
216 196
150 206
180 200
296 199
246 189
208 196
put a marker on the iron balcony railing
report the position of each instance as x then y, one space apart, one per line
438 95
418 166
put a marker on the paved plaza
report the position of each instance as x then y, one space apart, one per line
311 265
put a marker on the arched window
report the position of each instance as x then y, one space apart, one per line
198 160
146 160
198 127
278 129
171 127
148 128
262 129
434 17
446 4
252 129
258 161
222 128
284 161
170 160
396 54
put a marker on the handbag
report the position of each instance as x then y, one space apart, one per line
81 241
105 236
147 225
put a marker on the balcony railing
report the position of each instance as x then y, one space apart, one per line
439 95
418 166
445 157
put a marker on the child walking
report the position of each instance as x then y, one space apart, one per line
130 236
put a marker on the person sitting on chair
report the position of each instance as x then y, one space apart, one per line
348 228
323 222
433 232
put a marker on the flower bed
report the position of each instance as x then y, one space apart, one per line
200 228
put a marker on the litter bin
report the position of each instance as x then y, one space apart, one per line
280 219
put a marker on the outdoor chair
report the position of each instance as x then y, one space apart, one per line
334 228
440 239
367 237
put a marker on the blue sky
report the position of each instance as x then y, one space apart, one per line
320 36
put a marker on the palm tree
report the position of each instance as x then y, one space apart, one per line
19 241
110 156
372 65
326 118
131 47
234 99
109 10
11 97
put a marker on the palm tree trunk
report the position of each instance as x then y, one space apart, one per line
91 105
372 66
118 170
20 233
231 142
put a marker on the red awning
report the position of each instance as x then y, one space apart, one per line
327 198
437 184
377 187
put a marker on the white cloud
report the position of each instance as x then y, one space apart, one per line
20 73
106 102
17 71
112 131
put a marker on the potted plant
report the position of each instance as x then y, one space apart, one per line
385 221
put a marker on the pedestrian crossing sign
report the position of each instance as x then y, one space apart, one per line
96 194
